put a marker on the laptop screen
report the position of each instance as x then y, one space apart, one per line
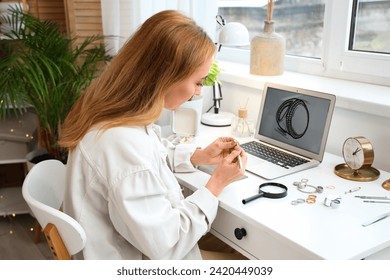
294 117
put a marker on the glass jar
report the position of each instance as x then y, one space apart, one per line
241 127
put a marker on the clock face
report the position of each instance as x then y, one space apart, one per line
357 151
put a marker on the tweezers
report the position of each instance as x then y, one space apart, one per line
377 219
372 197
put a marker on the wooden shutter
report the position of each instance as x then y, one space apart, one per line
84 18
79 18
48 10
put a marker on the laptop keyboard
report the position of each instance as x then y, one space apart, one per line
273 155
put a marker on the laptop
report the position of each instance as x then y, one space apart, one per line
292 130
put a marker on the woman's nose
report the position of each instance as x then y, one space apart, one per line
197 92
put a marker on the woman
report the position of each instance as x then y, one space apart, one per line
121 186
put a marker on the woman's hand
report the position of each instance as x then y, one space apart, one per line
229 169
225 153
215 152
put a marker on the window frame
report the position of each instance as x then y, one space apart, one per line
337 60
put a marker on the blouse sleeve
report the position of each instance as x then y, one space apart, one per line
160 224
179 156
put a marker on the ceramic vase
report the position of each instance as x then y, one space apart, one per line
267 52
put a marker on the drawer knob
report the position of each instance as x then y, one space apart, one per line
239 233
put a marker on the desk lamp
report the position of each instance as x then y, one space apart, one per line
231 34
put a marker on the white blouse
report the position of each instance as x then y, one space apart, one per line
122 191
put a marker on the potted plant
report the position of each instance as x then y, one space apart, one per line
42 70
213 74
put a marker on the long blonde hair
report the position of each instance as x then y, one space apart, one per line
164 51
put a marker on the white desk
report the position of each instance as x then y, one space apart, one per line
276 229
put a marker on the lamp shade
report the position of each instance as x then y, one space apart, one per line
233 34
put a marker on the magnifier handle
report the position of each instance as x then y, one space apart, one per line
249 199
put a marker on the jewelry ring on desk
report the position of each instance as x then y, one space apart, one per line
311 189
332 202
311 199
298 201
335 203
302 186
269 190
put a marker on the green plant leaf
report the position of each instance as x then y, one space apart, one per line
41 70
213 74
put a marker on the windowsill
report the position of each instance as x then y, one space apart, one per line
361 97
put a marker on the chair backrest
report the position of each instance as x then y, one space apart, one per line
43 190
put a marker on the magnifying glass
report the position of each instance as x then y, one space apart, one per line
269 190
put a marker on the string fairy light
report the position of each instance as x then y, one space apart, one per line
10 217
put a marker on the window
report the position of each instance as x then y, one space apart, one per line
346 39
370 24
300 23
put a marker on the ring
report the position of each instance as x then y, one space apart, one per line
311 199
313 189
335 203
301 186
332 202
298 201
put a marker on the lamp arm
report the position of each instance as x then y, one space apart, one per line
217 97
219 46
217 91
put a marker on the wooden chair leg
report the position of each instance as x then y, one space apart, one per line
37 232
56 243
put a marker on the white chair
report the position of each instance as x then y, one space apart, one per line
43 189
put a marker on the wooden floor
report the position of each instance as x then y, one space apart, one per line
17 239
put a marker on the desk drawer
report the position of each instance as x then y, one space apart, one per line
258 242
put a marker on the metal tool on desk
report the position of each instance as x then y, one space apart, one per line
379 199
375 201
377 219
353 190
373 197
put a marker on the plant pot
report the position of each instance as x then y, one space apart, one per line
36 156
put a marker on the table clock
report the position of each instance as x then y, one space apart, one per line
358 155
386 185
